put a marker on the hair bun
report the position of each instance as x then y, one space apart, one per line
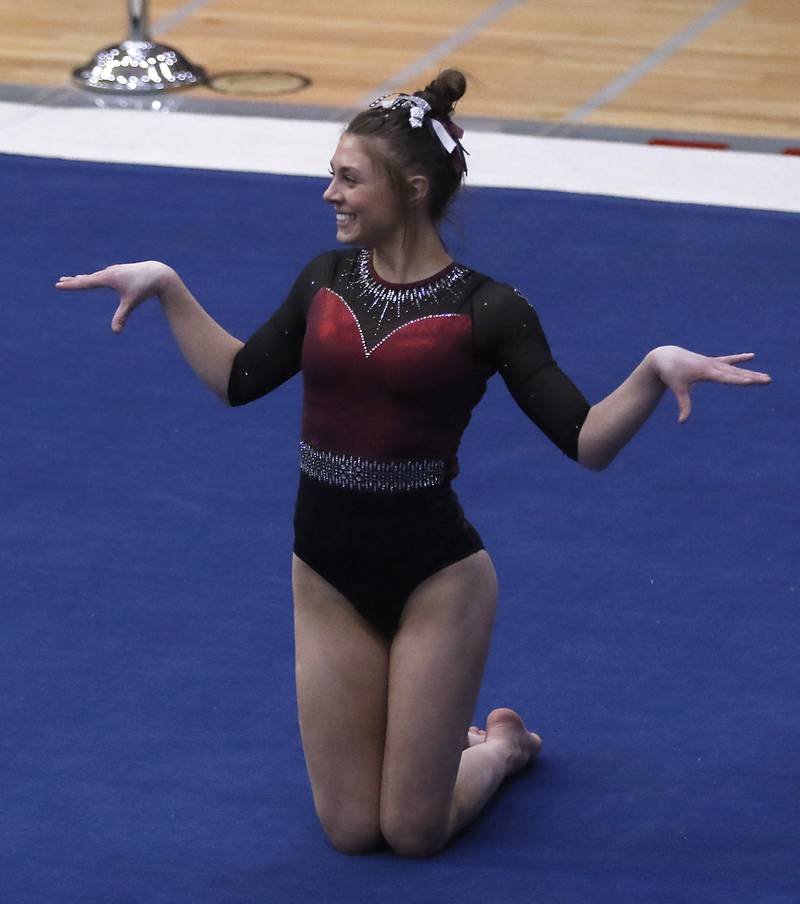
444 91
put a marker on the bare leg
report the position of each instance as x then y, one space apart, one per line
432 787
341 693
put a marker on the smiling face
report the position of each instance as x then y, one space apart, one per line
368 211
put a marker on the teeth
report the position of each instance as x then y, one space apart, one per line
345 217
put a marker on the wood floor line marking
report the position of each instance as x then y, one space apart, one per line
676 42
434 55
165 23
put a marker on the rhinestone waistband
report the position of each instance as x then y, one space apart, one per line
351 472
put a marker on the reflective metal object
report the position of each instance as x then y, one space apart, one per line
138 65
116 100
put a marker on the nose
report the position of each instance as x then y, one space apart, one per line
331 193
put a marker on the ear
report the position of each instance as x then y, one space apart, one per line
418 187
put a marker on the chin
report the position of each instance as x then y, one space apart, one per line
345 239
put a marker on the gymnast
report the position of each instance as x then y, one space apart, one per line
394 594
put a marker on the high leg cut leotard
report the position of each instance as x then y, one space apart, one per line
391 375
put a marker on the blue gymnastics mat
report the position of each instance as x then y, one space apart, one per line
648 625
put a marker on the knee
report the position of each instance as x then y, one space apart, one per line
414 837
354 842
353 834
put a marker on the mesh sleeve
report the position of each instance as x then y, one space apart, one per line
509 336
272 354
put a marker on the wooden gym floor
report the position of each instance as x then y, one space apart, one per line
664 66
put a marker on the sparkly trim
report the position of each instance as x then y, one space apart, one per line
351 472
404 325
368 351
395 301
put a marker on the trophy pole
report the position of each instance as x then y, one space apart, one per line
138 65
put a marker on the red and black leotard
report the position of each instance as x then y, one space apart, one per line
391 375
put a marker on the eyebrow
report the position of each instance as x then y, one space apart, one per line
351 169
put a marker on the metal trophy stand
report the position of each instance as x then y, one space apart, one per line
138 65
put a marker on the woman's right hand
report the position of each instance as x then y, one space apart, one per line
134 283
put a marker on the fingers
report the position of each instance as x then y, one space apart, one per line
97 280
729 373
684 405
71 282
748 377
735 359
736 375
82 281
120 317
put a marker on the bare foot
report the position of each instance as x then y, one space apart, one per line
506 727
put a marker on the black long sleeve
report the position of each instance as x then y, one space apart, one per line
509 336
272 354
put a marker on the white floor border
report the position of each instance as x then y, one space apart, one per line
304 147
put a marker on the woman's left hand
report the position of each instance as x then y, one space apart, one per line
678 369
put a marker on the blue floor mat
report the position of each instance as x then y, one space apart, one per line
648 625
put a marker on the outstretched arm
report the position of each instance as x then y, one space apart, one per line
612 422
207 347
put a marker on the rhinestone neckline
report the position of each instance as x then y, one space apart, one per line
385 300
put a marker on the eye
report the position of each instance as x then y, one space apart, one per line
347 177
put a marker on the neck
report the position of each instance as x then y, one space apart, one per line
419 257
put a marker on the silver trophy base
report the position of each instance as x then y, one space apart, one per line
138 67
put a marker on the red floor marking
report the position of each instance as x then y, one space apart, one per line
677 143
794 152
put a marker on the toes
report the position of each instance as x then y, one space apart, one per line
505 717
475 736
506 724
